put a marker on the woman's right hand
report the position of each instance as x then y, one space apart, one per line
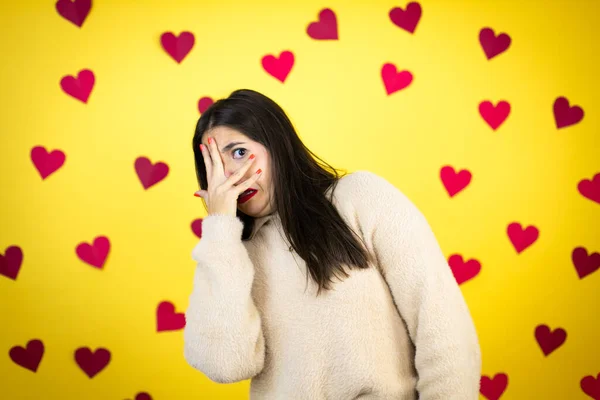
221 195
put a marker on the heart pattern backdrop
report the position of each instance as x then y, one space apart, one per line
94 254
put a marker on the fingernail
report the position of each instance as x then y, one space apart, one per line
252 157
209 140
259 171
201 147
196 194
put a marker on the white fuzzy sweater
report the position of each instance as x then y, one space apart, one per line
400 330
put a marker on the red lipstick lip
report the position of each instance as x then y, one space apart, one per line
247 197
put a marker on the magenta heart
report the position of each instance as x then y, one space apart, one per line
585 263
394 80
10 262
564 114
197 227
494 115
454 182
29 357
549 340
493 45
463 271
80 87
204 103
279 67
96 254
149 174
74 11
46 162
408 19
325 28
493 388
522 238
92 362
591 386
167 319
590 189
178 47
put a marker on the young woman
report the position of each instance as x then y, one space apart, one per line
312 285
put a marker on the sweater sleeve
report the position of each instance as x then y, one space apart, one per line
223 336
426 294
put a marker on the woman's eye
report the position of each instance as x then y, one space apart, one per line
240 150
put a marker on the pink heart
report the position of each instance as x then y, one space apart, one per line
520 238
167 319
564 114
325 28
10 262
493 45
280 67
75 11
549 340
46 162
197 227
463 271
29 357
204 103
408 19
585 264
494 115
96 254
149 174
454 182
177 47
394 80
591 386
92 362
80 87
493 388
590 188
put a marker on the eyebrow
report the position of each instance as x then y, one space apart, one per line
230 145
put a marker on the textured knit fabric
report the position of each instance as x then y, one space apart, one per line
400 330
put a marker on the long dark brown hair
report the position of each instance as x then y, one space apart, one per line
310 221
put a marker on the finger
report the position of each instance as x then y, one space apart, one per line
207 159
216 157
201 193
233 178
248 182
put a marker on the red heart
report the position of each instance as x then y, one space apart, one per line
494 115
493 45
564 114
549 340
455 182
148 174
280 67
590 188
326 28
95 255
522 239
394 80
75 11
585 264
408 19
29 357
10 262
92 362
463 270
204 103
177 47
591 386
493 388
80 87
143 396
197 227
46 162
167 319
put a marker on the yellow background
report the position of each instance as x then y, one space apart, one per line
145 104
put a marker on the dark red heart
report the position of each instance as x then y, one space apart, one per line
81 87
92 362
279 67
522 238
197 227
549 340
455 182
167 319
591 386
47 162
143 396
585 263
29 357
590 188
149 174
96 254
565 114
204 103
408 19
178 47
11 261
463 270
75 11
325 28
494 115
394 80
493 45
493 388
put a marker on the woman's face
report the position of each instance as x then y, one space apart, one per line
234 150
